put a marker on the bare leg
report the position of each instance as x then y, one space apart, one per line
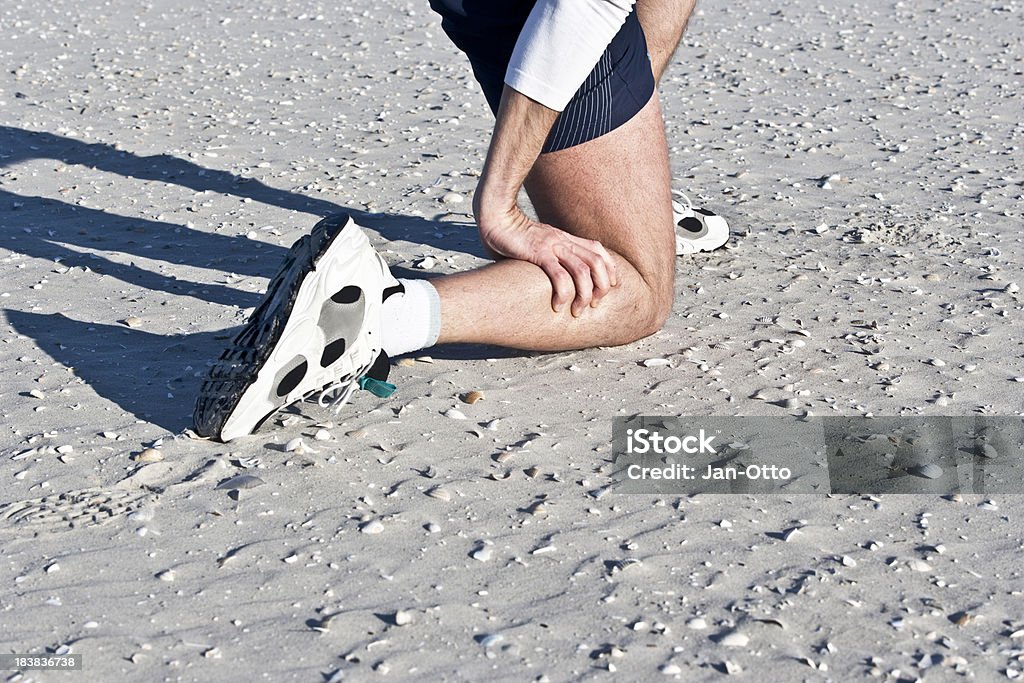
614 189
664 22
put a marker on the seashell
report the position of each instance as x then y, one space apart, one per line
656 362
426 263
492 426
616 566
482 553
1011 288
927 470
323 624
766 319
918 565
490 639
402 618
406 362
987 450
454 414
732 668
537 508
424 359
532 472
35 393
148 455
503 456
670 669
494 476
241 481
734 639
453 198
697 623
167 575
937 362
132 321
298 446
472 397
440 493
322 435
372 527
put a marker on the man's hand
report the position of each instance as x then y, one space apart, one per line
581 270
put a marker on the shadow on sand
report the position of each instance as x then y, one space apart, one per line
152 376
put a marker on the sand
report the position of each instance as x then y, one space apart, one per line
157 160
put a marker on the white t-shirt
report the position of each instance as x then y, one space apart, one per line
559 46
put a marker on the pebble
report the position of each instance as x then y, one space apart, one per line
656 362
403 618
372 527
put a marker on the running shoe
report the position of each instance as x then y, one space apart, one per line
317 330
697 229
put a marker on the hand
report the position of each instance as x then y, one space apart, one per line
581 270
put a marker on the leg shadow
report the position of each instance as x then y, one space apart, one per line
146 374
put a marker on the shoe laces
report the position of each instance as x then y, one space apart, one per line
684 197
337 394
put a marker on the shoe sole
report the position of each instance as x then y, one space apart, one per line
311 330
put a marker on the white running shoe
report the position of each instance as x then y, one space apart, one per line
697 229
316 330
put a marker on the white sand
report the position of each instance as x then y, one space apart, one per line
142 144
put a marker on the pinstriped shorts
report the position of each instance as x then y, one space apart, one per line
614 92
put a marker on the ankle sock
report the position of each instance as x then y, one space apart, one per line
411 320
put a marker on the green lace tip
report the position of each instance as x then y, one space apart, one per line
376 387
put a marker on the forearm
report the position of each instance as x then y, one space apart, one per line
521 127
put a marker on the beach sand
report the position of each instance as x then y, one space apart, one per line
157 160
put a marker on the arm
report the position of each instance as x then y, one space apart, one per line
580 270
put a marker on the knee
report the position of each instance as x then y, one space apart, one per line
651 309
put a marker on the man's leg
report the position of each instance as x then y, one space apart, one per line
664 22
614 189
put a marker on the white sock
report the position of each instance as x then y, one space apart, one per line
410 321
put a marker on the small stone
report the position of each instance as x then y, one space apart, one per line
167 575
403 618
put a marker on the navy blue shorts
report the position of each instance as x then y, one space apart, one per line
615 91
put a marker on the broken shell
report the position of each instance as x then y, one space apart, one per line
454 414
403 618
132 321
482 553
148 455
167 575
656 362
241 481
472 397
927 470
735 639
532 472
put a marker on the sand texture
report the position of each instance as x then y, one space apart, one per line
156 161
